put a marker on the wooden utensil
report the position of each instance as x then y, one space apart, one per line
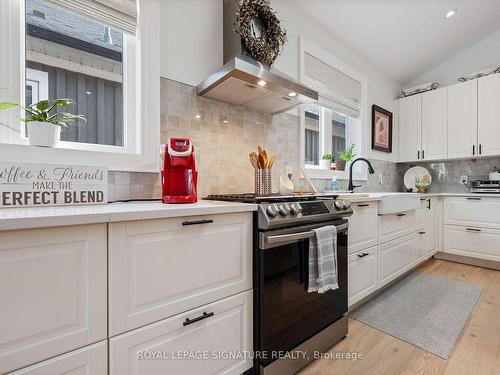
254 160
262 162
271 161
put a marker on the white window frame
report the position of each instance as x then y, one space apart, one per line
356 134
141 99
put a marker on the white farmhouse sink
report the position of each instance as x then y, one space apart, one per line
393 203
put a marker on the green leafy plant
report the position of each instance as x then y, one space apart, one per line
327 157
41 112
348 154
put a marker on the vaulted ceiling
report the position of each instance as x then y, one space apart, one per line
405 38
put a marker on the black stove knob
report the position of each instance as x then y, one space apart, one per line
295 208
272 210
284 209
347 204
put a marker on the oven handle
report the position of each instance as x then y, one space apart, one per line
299 236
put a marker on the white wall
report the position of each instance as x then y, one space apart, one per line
381 89
482 55
191 43
191 39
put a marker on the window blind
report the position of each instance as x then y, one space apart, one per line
118 14
336 90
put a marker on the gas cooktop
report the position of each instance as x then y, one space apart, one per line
252 198
278 211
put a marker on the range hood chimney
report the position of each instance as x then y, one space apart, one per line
246 82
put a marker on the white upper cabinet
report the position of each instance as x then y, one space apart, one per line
462 120
410 125
489 115
435 124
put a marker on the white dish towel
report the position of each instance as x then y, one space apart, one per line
323 260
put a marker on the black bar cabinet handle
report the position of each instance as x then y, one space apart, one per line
363 205
429 204
473 230
480 149
422 232
473 149
418 154
363 255
197 222
401 215
197 319
473 198
423 154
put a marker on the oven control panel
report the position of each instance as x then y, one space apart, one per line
272 215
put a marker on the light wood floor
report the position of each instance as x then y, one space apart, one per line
477 351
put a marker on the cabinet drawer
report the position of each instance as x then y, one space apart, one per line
363 226
53 290
472 211
159 268
155 349
362 273
472 242
396 225
395 258
91 360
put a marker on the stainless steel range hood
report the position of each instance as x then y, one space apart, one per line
246 82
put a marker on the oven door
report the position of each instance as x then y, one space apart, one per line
287 314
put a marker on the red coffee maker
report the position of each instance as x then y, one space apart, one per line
179 175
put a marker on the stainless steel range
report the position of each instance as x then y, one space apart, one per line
289 321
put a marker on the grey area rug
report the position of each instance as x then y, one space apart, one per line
426 311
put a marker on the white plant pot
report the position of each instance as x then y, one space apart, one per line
324 164
43 134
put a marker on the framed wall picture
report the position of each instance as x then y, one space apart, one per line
381 129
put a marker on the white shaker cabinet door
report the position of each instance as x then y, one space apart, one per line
363 226
462 120
159 268
410 128
91 360
53 290
489 115
435 124
217 329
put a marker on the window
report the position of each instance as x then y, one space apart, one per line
337 120
85 50
82 60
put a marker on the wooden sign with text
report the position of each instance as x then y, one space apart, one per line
26 184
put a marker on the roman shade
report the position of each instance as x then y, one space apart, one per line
118 14
336 90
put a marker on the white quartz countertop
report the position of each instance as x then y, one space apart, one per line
371 197
37 217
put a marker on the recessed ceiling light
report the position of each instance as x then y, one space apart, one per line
261 83
292 94
451 13
198 116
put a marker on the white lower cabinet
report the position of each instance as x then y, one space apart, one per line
362 274
91 360
159 348
160 268
363 226
395 258
54 292
396 225
472 242
472 211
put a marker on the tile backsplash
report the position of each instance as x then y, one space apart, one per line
446 174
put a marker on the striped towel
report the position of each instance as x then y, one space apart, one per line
323 260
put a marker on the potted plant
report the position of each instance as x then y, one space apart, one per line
345 156
44 127
326 161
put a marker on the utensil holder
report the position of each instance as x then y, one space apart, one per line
262 182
